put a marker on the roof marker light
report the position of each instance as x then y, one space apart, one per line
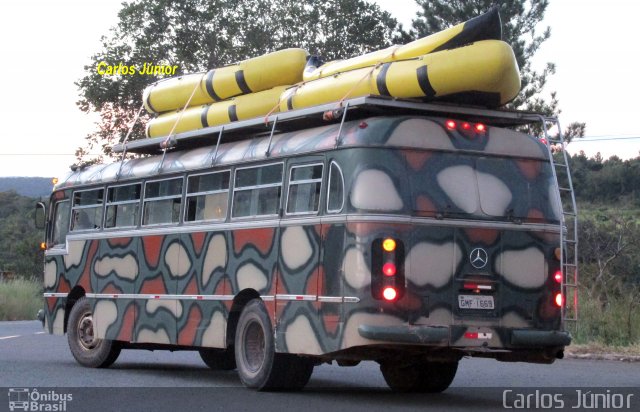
451 125
480 128
466 126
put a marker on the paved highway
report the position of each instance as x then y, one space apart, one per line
143 380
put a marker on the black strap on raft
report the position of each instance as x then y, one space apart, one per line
209 84
381 80
423 81
242 84
203 116
233 115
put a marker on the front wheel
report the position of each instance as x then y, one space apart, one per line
258 364
429 377
85 347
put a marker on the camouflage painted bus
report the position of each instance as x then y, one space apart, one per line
408 240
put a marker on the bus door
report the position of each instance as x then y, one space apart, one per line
301 276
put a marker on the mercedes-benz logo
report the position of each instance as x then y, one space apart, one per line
478 258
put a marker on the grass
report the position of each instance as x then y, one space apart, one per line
616 325
20 299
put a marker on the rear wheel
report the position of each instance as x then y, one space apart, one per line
219 359
259 366
85 347
427 377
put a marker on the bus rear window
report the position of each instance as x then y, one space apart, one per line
463 186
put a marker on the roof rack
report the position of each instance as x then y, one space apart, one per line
357 108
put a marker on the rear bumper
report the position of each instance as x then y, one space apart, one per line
441 335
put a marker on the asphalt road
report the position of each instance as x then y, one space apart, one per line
177 381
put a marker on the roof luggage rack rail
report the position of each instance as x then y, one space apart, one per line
360 107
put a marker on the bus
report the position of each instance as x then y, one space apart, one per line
405 233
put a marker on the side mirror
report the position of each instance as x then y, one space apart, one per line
41 215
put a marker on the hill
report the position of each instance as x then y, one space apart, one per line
35 187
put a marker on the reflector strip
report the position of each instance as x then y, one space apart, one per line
476 286
478 335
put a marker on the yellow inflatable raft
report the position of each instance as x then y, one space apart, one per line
239 108
484 27
485 72
279 68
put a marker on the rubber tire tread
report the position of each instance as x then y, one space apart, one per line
425 377
219 359
279 371
103 355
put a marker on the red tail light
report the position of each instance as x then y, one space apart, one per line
559 300
389 293
558 277
389 269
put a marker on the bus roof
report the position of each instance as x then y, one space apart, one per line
410 132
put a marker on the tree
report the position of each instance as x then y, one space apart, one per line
198 35
520 20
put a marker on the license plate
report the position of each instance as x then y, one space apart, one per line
475 302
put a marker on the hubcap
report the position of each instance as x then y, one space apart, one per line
86 337
254 352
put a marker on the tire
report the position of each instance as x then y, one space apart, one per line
219 359
259 366
426 377
85 348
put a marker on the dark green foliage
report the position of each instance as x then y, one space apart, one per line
606 181
36 187
198 35
19 239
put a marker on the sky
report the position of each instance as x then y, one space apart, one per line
44 45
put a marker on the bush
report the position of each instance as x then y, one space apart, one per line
20 299
616 324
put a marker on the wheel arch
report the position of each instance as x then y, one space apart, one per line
73 296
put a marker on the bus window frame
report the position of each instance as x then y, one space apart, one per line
144 200
126 202
268 185
187 195
300 182
93 206
335 211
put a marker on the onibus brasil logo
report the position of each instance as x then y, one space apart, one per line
25 399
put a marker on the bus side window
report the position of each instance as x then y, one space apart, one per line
162 202
60 222
123 206
335 196
87 209
207 197
257 191
304 189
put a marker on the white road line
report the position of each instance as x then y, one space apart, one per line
9 337
39 333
